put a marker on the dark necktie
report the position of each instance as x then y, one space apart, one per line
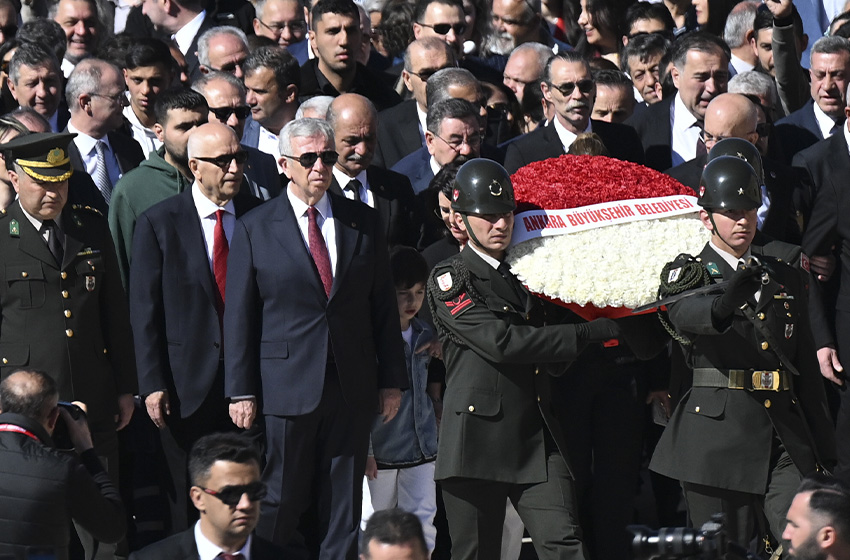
220 252
354 186
701 150
54 241
319 250
514 282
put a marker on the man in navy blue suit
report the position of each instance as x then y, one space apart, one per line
311 343
176 304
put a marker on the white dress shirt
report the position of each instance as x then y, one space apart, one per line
324 219
685 133
36 223
86 145
826 124
144 136
365 193
186 35
567 138
207 550
423 123
206 211
269 143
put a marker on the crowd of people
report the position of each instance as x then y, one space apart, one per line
261 245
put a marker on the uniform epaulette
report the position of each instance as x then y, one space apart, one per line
449 279
683 273
86 207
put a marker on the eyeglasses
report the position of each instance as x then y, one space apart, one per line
426 73
567 88
473 141
444 28
223 161
230 495
119 99
277 28
763 129
309 159
709 137
223 113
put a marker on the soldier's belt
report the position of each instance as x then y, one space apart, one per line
746 379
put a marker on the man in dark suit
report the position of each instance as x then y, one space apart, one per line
401 129
177 304
354 122
98 149
335 69
183 20
670 129
569 86
309 270
822 116
733 116
81 336
225 473
225 94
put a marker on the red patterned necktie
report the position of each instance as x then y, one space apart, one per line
319 250
220 252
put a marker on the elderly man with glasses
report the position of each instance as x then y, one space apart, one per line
96 99
284 22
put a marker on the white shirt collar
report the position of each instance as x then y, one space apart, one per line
86 143
423 122
207 207
740 65
485 257
32 219
67 67
435 167
300 207
186 34
207 550
567 138
682 118
825 122
729 258
343 179
846 134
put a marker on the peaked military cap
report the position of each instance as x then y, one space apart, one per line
42 155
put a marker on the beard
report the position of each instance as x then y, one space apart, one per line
501 43
808 550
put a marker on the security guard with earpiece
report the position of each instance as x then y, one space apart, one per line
62 306
755 420
499 438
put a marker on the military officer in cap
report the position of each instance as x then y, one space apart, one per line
755 420
499 439
62 306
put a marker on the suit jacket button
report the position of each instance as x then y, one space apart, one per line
63 275
506 308
216 344
696 409
5 360
24 274
68 313
69 333
536 371
761 316
471 408
105 350
65 294
767 403
765 345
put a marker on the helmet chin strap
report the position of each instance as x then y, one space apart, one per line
470 232
715 231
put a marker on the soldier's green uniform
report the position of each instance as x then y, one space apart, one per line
753 424
498 437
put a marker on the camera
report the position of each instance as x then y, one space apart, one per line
61 435
709 542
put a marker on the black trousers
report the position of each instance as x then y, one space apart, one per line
314 471
842 419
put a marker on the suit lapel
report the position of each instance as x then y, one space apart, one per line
187 224
31 241
72 242
288 235
347 236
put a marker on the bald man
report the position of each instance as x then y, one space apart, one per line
180 249
732 115
355 125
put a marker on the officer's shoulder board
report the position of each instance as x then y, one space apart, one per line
86 208
448 284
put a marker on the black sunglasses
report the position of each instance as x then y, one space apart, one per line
444 28
223 113
9 31
230 495
308 159
224 160
426 73
567 88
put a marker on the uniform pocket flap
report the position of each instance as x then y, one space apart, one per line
479 402
24 271
14 354
274 350
707 402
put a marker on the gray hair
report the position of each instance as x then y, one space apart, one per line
542 52
32 55
450 108
260 5
200 85
428 44
437 87
318 104
831 45
754 83
740 21
87 77
304 128
568 56
210 34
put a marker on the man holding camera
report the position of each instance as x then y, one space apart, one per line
43 488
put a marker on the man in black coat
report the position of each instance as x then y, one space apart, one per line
568 85
354 121
225 473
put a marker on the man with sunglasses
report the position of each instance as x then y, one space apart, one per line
310 271
177 303
569 86
225 94
226 489
336 38
99 149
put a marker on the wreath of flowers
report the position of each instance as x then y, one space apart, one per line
607 270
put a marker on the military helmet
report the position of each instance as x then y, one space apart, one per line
739 147
729 183
482 186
